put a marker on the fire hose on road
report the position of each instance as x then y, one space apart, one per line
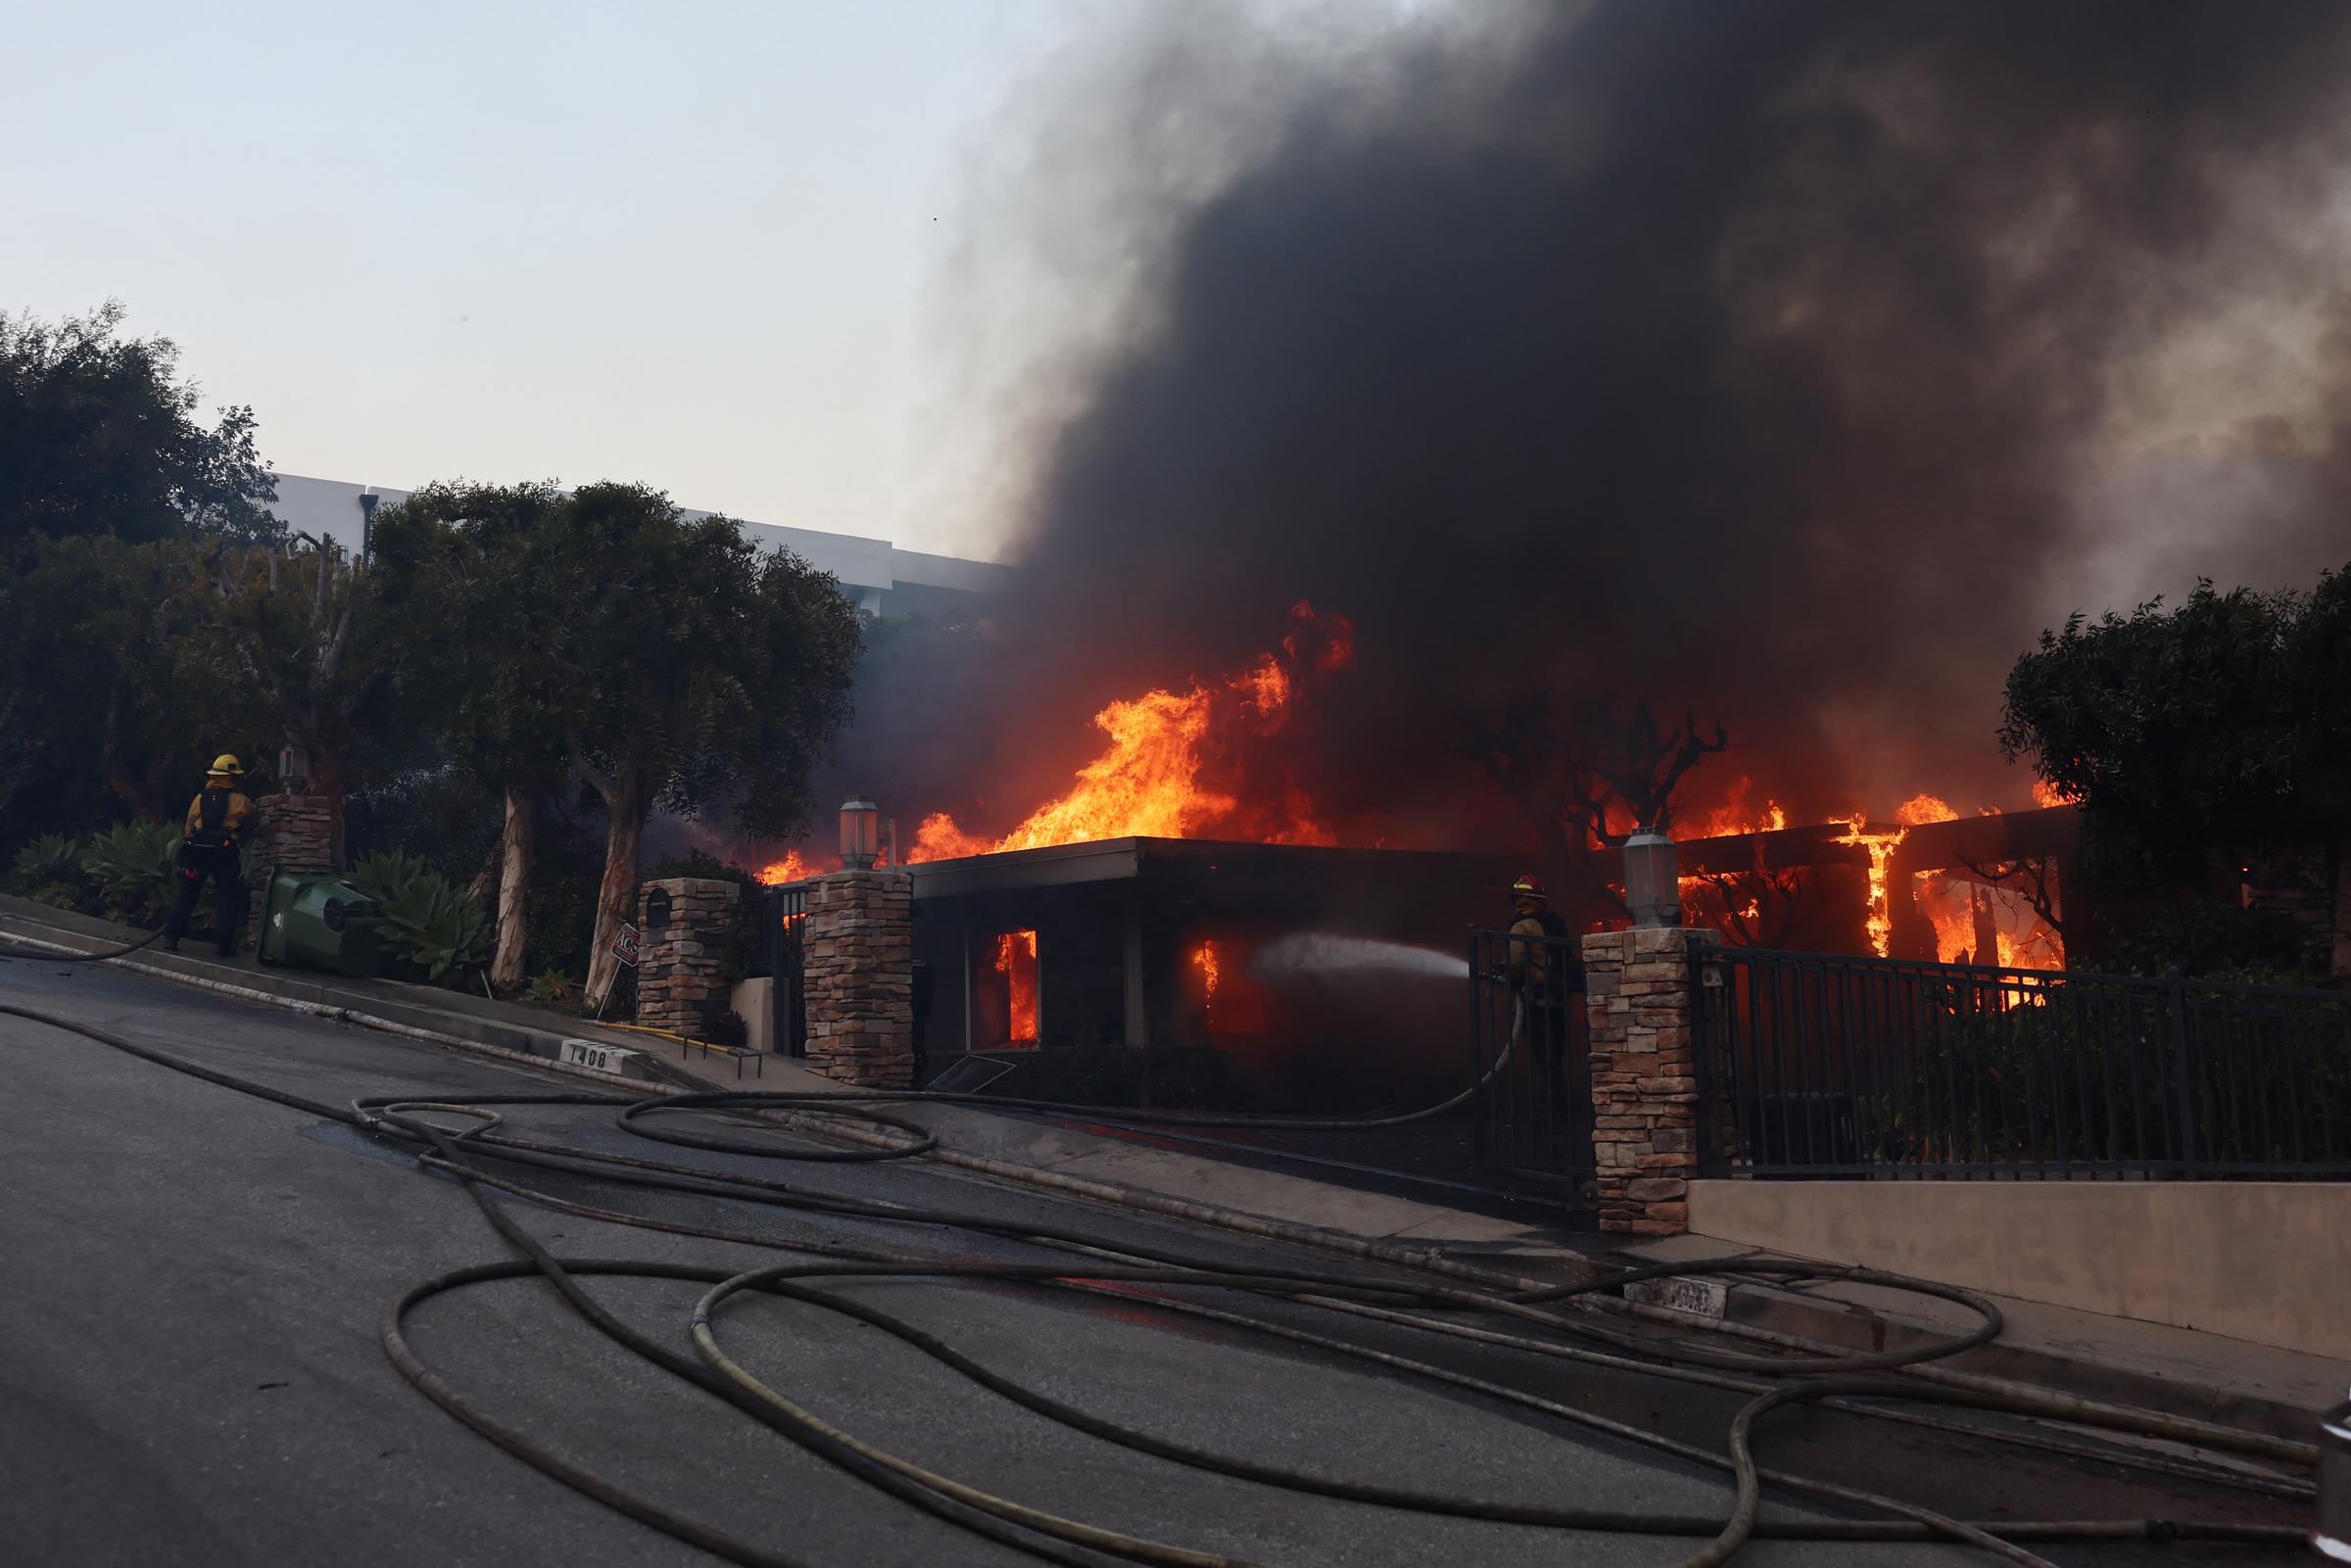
493 1161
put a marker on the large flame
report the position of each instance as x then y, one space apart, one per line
790 868
1148 781
1735 818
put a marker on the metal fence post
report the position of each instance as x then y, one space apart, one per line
2183 1068
1703 1032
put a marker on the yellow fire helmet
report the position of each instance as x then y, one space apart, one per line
225 766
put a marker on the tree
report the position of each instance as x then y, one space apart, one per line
2199 737
98 671
697 672
97 436
460 562
1585 784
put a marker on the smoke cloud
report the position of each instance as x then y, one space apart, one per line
1795 363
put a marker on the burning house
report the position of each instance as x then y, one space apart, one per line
1182 923
1258 974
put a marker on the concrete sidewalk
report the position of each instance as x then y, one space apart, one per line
505 1027
2178 1372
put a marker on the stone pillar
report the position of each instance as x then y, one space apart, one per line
857 954
296 833
1643 1075
678 958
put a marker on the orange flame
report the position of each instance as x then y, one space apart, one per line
1016 960
1204 958
1734 818
1920 809
2045 794
1880 847
1147 781
790 868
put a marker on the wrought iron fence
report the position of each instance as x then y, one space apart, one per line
1812 1065
1529 1053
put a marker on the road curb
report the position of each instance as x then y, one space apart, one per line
1849 1326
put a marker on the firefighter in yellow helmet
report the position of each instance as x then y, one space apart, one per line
1544 975
219 819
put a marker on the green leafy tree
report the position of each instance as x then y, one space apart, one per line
98 435
100 674
2198 737
296 646
461 564
699 671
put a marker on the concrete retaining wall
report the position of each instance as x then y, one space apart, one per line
2265 1261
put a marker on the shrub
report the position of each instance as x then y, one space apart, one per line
554 989
429 924
383 875
133 865
47 861
2217 940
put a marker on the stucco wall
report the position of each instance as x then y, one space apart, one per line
2266 1262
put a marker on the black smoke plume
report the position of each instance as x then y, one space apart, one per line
1794 363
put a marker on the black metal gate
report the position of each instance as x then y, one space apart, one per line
786 916
1533 1065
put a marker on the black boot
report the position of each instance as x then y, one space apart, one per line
170 944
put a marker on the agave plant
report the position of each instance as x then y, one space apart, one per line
49 859
133 865
387 873
428 921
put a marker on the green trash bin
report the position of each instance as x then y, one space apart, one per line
322 922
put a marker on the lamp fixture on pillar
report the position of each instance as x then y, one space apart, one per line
1653 886
859 841
294 768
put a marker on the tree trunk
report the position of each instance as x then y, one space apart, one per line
515 853
479 892
142 804
327 780
2340 966
616 896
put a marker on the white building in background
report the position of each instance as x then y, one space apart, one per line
881 578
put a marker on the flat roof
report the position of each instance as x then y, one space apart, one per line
1109 860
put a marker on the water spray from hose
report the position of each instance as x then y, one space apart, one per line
1322 953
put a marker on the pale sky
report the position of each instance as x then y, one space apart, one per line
712 246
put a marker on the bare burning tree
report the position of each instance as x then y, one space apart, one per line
1584 783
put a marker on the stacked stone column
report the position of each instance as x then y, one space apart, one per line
1643 1075
857 959
296 833
679 984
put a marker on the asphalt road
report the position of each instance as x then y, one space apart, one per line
191 1281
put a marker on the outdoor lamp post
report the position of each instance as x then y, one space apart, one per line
859 834
1653 885
293 768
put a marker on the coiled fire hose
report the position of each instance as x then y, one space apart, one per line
491 1161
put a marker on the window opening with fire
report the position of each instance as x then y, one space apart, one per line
1009 992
